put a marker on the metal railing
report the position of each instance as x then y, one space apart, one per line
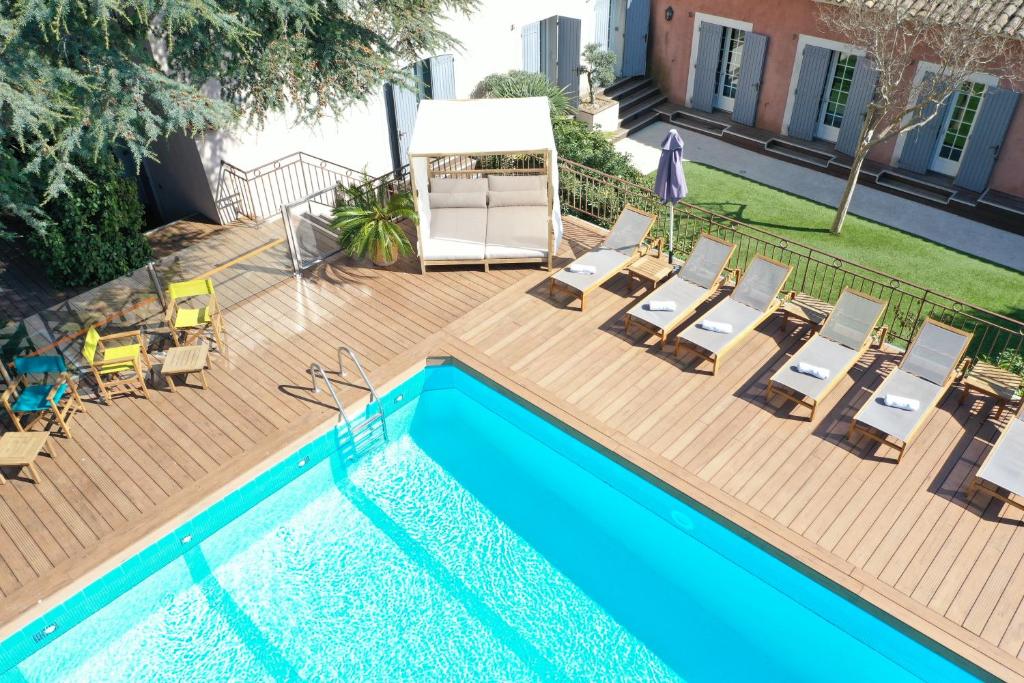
259 193
598 197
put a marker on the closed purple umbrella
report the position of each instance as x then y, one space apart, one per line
670 183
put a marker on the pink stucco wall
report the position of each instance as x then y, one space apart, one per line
783 22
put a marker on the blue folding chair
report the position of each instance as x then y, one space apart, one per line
42 385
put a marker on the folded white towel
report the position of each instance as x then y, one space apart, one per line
660 305
901 402
812 370
582 269
712 326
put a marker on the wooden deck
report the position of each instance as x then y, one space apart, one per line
902 536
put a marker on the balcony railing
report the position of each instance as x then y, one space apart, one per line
259 193
599 198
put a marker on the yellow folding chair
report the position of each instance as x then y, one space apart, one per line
119 367
190 324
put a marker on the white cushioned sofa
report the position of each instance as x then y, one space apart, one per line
493 218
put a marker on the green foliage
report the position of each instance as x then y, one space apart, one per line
1009 360
598 67
368 225
95 231
524 84
80 78
578 142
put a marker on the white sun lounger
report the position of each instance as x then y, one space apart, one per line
927 370
755 298
694 284
844 337
1003 467
621 247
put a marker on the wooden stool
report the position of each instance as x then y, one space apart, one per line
992 381
19 449
649 270
183 360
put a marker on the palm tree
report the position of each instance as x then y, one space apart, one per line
368 225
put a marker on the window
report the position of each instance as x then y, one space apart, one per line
956 127
837 91
728 73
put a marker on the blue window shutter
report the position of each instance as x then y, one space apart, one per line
986 138
709 44
749 87
401 104
862 91
549 48
919 145
810 85
634 51
442 77
531 47
568 71
602 22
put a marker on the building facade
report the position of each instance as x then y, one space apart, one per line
538 35
774 67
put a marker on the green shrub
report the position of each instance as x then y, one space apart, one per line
95 230
524 84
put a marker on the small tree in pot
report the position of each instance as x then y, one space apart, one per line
598 67
369 226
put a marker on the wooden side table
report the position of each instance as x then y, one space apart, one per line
798 306
19 449
990 380
649 270
184 360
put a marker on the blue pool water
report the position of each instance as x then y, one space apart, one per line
481 543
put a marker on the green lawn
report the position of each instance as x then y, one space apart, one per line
871 244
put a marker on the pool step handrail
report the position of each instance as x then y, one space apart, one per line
317 370
374 397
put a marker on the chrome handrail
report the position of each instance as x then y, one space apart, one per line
317 369
346 350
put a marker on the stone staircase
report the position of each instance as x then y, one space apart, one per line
637 97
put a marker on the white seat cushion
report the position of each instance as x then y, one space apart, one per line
437 249
468 225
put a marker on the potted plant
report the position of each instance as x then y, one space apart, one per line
368 225
599 67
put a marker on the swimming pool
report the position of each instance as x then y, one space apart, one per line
482 542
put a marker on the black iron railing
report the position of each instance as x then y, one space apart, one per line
598 197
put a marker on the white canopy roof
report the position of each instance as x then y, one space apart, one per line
485 126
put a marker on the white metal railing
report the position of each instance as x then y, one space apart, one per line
259 193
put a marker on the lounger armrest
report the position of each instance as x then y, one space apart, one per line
737 274
11 388
646 247
881 334
963 369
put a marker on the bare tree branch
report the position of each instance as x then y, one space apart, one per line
958 38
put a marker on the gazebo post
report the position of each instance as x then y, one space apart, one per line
551 208
416 205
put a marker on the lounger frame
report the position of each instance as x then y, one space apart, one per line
715 358
885 439
788 394
685 313
979 484
642 248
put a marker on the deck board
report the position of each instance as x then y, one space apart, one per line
904 529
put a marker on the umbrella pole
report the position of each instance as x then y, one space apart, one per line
671 229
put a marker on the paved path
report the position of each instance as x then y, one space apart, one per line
940 226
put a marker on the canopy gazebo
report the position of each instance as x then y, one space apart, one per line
485 182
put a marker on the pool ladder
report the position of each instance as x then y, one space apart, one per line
316 370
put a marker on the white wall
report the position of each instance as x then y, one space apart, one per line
491 42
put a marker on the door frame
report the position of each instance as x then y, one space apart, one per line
803 41
719 101
924 68
822 131
695 40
